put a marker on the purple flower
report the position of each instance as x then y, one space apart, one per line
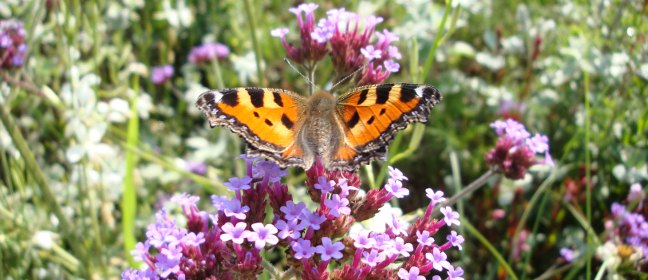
391 66
288 229
196 167
324 185
141 251
292 211
397 226
237 184
424 238
412 274
395 188
235 233
435 197
515 150
438 259
362 240
455 273
303 249
329 250
394 53
234 209
567 254
345 188
312 220
193 239
168 261
450 217
269 170
401 248
372 258
208 52
370 53
262 235
161 74
455 239
279 32
337 205
12 44
139 274
636 194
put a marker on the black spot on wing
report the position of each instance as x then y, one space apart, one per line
277 98
363 96
354 120
230 98
286 121
383 111
371 120
256 96
256 114
382 93
408 92
268 122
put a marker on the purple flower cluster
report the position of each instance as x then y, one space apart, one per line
161 74
630 227
346 37
12 44
208 52
516 149
229 243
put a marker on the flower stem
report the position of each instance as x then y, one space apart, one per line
474 232
255 44
217 72
129 199
437 41
588 171
467 190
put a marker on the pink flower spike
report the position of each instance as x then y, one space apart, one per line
396 174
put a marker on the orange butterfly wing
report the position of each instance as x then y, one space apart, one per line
371 115
266 118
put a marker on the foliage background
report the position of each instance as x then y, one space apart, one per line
102 147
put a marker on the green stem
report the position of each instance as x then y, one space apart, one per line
32 166
588 173
217 72
475 233
129 199
437 41
255 44
467 190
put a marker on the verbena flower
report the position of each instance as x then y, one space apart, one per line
348 38
229 243
208 52
516 149
161 74
12 44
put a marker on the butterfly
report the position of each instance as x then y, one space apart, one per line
343 133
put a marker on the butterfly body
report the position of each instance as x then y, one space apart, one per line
342 132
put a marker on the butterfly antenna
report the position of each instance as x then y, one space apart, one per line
297 70
351 75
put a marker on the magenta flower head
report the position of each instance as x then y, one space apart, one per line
12 44
261 215
161 74
516 150
347 38
208 52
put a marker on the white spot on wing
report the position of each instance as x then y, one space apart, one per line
217 95
419 91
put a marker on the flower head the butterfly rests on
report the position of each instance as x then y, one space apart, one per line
223 246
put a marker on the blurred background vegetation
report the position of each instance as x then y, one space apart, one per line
90 147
